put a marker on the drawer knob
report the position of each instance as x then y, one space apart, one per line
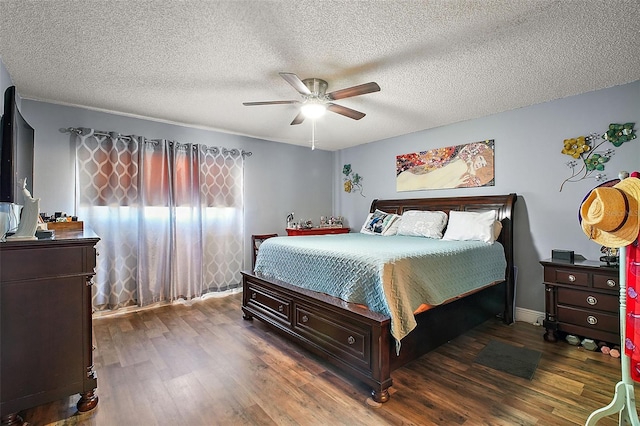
572 277
253 295
611 283
592 320
592 300
280 308
305 318
351 340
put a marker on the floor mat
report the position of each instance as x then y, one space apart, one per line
521 362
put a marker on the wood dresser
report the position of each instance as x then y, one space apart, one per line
317 231
46 339
581 298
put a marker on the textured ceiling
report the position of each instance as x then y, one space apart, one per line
437 62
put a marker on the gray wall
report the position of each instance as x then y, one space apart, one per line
283 178
528 142
279 178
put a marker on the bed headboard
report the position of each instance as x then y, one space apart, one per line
502 204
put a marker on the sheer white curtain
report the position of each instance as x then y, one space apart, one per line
169 215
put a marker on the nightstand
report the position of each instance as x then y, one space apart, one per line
317 231
581 298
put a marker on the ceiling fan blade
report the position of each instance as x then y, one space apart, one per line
299 119
349 92
270 103
295 82
347 112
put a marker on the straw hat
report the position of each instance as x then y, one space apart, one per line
610 214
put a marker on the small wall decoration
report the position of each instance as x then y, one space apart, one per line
587 162
461 166
352 181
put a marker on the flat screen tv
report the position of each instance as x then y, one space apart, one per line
16 151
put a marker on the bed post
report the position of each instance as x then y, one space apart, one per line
506 238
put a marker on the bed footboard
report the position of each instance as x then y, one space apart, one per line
350 337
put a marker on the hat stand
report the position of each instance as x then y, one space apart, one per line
623 401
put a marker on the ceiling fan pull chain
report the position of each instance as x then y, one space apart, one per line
313 135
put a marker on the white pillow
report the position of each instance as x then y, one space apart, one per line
380 223
418 223
465 226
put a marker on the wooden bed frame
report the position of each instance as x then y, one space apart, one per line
359 341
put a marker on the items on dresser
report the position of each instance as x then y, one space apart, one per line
581 298
45 322
66 226
562 255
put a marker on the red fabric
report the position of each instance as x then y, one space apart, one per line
632 332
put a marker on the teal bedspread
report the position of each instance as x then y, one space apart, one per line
391 275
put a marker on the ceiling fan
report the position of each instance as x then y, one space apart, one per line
315 100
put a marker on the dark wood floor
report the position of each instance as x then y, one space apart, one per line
205 365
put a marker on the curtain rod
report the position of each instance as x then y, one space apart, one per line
114 135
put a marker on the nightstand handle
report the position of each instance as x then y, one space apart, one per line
611 283
592 300
572 277
305 318
592 320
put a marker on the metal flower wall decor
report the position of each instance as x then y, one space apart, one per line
352 181
586 160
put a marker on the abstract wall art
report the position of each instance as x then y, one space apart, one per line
460 166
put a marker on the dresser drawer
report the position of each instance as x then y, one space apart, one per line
274 305
588 299
590 319
342 336
606 282
44 262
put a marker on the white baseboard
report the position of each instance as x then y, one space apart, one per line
527 315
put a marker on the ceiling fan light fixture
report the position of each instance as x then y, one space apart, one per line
313 110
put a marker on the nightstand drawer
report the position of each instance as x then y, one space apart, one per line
606 282
563 276
589 299
588 318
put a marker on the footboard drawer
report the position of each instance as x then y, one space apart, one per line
274 305
343 337
347 335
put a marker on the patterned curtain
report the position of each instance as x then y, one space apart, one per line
169 215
